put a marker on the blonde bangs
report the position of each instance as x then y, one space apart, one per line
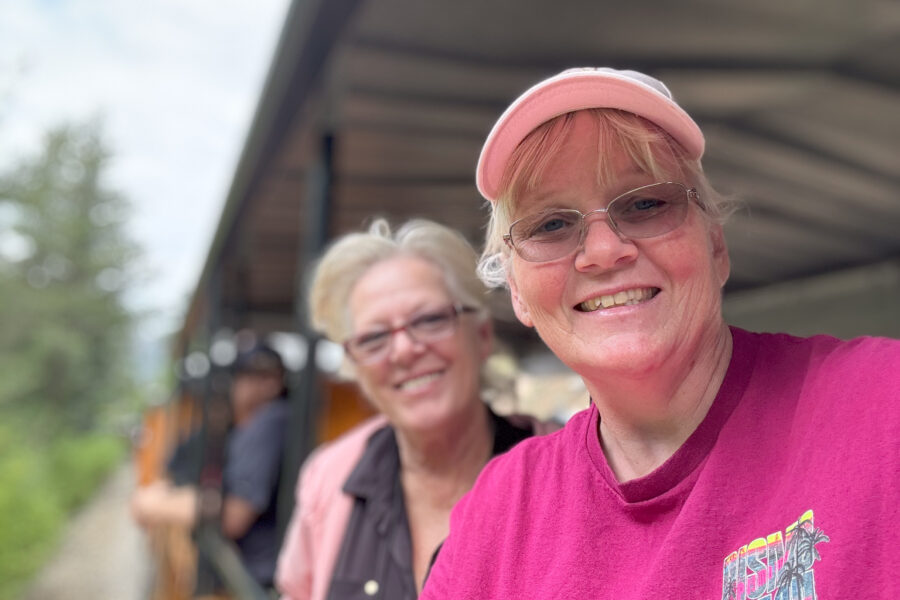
651 149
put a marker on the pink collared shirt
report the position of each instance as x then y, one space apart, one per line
322 509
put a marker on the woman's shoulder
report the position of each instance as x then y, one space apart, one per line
331 463
869 364
840 379
864 354
822 342
350 443
864 349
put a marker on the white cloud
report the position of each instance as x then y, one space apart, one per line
176 83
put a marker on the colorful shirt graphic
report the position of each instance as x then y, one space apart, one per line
777 567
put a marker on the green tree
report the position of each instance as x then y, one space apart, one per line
65 260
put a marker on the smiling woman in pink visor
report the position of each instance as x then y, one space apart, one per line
713 462
373 506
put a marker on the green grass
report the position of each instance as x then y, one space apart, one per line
40 485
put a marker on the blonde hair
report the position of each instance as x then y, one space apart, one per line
652 150
351 256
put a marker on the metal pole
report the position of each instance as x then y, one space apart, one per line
305 385
216 420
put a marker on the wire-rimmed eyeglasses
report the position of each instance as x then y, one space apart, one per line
431 326
644 212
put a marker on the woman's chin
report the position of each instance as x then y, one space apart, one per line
432 418
421 417
625 355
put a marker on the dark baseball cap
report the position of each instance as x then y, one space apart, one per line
260 358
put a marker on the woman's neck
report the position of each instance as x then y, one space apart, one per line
445 463
645 420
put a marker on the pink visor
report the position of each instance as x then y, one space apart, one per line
578 89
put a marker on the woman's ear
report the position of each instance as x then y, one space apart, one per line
721 260
518 304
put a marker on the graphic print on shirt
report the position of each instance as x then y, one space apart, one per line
777 567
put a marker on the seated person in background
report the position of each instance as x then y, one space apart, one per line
251 472
373 506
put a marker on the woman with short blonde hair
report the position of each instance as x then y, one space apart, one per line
373 506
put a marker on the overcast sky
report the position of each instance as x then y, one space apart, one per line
175 83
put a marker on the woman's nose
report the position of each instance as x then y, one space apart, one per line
404 346
602 246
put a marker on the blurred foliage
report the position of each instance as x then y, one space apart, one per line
80 463
65 334
65 340
39 486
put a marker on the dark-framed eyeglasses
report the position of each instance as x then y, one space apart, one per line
430 326
644 212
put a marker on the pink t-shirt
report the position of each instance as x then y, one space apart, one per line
788 489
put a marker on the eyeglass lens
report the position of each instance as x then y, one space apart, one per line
426 327
645 212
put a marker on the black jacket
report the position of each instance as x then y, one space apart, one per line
375 559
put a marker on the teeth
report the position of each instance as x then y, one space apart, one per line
623 298
418 381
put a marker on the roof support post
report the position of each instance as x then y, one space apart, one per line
305 387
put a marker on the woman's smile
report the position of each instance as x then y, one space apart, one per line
629 297
418 382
